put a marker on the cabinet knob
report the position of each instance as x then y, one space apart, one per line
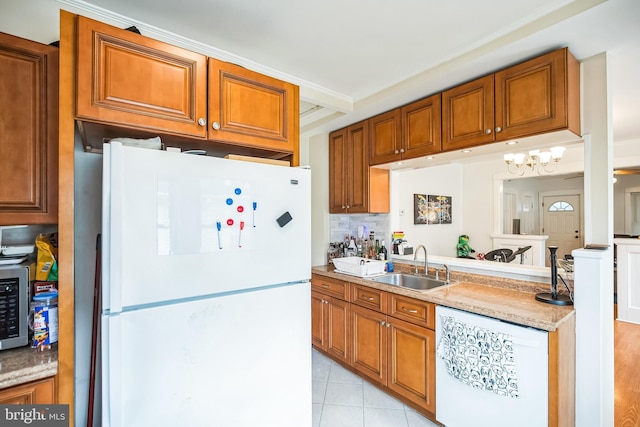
202 122
215 125
382 322
344 207
402 150
387 324
498 129
396 152
488 131
348 206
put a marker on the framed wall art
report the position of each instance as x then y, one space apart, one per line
420 209
430 209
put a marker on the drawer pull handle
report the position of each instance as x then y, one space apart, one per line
325 286
367 298
409 311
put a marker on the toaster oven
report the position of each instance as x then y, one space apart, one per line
14 306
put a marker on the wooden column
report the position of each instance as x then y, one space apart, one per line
66 306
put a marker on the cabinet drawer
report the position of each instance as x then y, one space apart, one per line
330 286
412 310
365 296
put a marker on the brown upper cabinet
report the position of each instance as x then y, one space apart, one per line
132 81
252 109
537 96
407 132
468 114
354 187
28 132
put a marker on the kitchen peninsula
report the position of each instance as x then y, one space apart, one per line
358 309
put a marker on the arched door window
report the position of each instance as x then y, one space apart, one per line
561 206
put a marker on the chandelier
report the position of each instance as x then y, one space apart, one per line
536 160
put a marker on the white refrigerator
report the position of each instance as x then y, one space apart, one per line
206 296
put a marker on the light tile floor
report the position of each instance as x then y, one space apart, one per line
343 399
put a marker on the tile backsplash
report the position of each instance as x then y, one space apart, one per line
342 224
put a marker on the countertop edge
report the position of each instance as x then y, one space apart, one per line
27 375
438 296
23 365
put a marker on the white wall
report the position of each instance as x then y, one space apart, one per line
439 239
87 225
535 186
624 182
317 148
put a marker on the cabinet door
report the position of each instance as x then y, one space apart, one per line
34 393
531 97
421 127
358 168
318 321
468 114
134 81
369 348
385 138
252 109
28 132
411 362
338 329
337 171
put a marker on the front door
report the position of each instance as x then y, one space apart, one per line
561 222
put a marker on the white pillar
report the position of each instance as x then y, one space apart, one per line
593 300
594 269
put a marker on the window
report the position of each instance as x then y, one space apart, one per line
561 207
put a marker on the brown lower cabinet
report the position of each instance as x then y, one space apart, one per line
387 338
330 325
33 393
396 354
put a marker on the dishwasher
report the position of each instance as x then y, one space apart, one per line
489 372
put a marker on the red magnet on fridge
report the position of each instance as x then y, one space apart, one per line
240 208
229 222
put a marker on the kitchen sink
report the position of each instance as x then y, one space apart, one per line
412 281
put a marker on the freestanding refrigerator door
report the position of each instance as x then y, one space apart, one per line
180 226
241 360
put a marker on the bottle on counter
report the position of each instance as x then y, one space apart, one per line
382 253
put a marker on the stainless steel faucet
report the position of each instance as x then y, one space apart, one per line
426 261
447 272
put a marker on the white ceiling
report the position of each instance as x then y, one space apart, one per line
353 59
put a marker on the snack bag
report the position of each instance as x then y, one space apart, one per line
45 259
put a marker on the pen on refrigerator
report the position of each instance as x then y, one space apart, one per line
240 234
255 205
219 226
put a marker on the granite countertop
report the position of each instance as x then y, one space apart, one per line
24 364
500 298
